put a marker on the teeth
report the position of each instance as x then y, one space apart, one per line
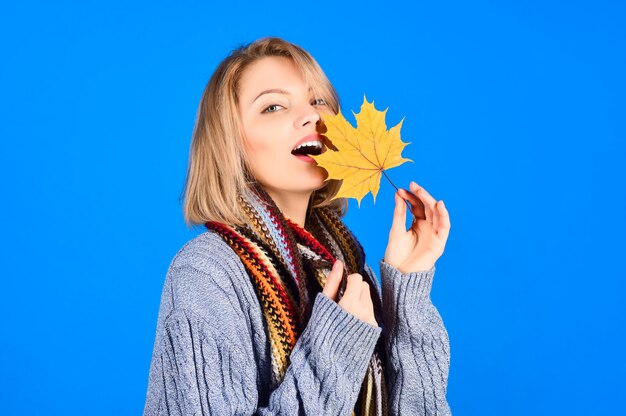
315 143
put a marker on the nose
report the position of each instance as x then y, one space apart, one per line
309 116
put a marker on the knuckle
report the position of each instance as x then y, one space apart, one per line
355 277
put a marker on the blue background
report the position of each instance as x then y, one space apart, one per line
515 113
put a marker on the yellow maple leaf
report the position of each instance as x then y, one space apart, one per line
363 153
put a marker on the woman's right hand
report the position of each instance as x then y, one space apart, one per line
356 298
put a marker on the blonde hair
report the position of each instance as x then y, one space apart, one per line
218 170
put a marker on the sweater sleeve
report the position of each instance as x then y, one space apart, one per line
201 364
416 343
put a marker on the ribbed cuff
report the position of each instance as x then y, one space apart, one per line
409 289
349 340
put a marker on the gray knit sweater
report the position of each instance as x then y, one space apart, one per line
211 353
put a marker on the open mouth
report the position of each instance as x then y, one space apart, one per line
313 147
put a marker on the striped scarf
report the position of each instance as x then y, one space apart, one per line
288 265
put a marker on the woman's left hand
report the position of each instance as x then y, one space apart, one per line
419 247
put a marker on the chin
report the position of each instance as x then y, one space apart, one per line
313 182
311 186
320 183
322 175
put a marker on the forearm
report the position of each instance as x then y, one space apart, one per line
328 364
417 344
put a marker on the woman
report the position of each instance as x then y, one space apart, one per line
273 310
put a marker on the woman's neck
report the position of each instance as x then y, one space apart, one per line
293 205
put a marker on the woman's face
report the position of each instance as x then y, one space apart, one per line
278 113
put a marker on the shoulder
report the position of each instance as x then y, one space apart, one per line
205 274
203 251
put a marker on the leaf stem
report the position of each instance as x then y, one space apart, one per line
392 184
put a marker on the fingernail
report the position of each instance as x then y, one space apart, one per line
336 265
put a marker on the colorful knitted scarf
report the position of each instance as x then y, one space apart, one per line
288 265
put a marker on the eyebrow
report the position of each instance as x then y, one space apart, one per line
275 91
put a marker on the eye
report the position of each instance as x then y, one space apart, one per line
319 101
271 108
